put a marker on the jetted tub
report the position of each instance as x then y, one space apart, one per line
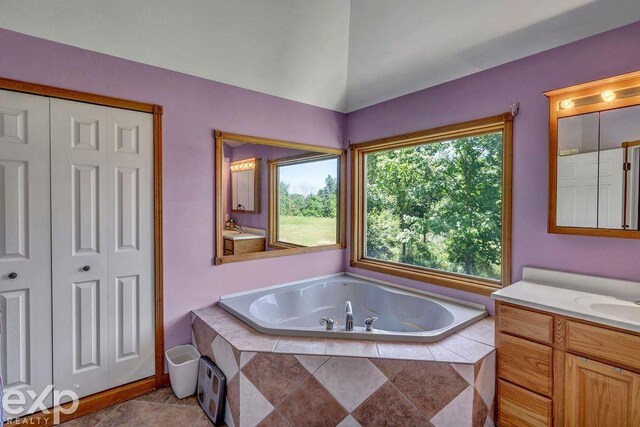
403 315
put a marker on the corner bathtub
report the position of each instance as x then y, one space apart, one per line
296 310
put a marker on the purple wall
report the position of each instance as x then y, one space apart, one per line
193 107
491 92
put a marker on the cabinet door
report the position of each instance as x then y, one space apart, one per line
597 394
79 226
130 272
25 245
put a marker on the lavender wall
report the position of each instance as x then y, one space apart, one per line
491 92
192 108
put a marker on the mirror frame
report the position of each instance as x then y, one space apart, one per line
590 89
219 138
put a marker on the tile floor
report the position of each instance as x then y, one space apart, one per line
160 408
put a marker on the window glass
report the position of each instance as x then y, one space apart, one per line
437 205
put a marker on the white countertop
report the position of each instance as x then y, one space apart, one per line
600 300
248 233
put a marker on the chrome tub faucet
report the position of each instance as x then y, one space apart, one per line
348 324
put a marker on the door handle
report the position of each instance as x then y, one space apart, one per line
86 268
13 275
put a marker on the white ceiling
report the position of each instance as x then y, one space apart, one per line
338 54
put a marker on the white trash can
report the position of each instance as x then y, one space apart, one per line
183 369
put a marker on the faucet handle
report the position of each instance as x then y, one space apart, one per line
327 321
368 323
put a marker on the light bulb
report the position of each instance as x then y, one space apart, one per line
608 95
566 104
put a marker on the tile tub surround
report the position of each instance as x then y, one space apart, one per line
291 381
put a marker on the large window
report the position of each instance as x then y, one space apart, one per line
435 205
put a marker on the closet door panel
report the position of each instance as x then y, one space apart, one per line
80 228
25 251
130 246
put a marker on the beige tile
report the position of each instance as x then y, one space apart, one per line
311 363
188 401
159 396
203 421
254 407
471 350
132 413
351 380
410 351
482 331
177 415
351 348
296 345
441 354
90 420
459 412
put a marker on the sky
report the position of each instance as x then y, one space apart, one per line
307 178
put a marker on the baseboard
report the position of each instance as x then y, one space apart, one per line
93 403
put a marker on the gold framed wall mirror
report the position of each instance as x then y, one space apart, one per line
302 186
594 158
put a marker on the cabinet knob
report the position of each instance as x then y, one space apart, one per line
86 268
584 359
13 275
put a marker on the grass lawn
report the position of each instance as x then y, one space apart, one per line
307 231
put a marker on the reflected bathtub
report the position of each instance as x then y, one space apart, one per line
296 310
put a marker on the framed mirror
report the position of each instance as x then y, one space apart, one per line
594 158
276 198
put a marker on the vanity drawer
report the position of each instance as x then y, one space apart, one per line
525 363
613 346
519 407
525 323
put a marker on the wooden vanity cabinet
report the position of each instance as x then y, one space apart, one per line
554 370
243 246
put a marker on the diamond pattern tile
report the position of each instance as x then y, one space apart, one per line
480 410
350 379
275 375
203 336
311 405
274 419
388 407
311 363
349 421
466 371
458 412
245 356
254 407
389 367
429 385
224 357
485 382
232 410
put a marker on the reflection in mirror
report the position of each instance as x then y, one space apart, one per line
300 185
597 170
305 210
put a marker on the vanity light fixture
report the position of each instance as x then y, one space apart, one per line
243 165
608 95
565 104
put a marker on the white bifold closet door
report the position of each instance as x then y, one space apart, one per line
25 245
102 240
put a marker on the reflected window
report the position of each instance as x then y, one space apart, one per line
306 204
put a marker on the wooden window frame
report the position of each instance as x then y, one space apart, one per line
272 231
504 123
